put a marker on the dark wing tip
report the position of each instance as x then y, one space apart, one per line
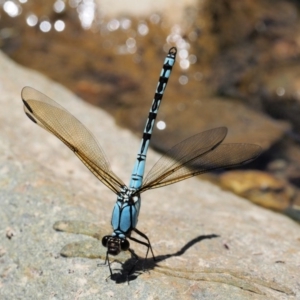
31 117
27 106
257 151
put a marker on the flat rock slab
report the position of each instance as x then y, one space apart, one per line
208 243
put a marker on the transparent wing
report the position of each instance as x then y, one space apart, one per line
197 155
54 118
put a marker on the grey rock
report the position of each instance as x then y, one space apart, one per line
209 244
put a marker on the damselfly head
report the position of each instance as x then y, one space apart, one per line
115 245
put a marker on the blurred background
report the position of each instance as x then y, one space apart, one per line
237 66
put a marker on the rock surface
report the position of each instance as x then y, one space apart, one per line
209 243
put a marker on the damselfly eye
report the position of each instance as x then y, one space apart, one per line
105 240
124 245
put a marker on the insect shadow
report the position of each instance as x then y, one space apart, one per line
145 265
93 249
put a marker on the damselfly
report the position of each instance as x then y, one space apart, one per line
198 154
